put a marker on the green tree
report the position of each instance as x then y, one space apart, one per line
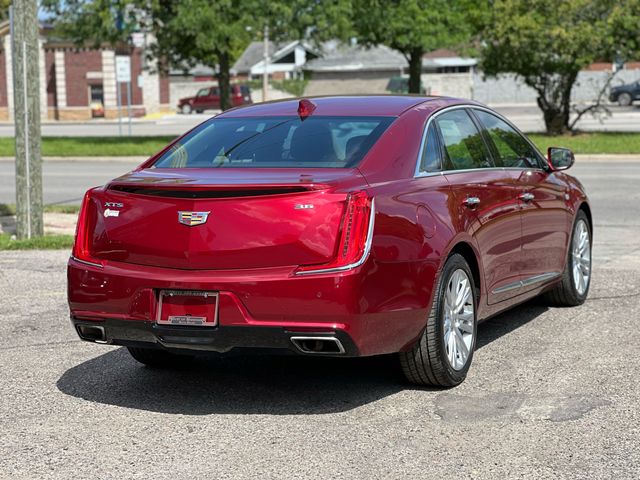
413 27
4 9
94 22
189 32
548 42
200 31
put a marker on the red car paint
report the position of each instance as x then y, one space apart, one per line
259 251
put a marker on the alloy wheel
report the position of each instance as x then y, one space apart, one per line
459 317
581 257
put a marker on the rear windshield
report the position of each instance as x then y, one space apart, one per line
317 142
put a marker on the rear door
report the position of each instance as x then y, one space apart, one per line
544 215
484 198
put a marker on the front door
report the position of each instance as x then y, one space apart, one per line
544 215
545 219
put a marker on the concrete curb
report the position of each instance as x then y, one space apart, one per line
608 157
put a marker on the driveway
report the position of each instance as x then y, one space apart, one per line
553 393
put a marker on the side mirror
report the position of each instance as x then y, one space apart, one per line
560 158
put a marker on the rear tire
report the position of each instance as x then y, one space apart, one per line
437 358
624 99
154 357
573 290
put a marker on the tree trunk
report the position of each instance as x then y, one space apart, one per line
554 99
555 118
224 66
415 70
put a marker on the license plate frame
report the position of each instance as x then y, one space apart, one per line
209 303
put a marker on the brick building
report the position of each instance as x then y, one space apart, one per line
80 83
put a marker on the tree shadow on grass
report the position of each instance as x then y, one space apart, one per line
256 384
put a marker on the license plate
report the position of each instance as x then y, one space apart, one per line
187 307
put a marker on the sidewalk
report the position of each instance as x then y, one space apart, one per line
54 223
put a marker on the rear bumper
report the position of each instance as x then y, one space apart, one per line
260 308
220 339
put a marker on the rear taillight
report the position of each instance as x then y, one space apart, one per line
81 247
356 231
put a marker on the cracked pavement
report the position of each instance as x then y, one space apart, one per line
552 393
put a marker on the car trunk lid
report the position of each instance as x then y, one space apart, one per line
222 219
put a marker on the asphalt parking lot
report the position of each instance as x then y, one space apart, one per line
553 393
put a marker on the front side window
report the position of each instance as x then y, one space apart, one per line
463 144
512 149
203 92
271 142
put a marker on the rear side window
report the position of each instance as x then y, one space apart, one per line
431 156
271 142
512 149
463 144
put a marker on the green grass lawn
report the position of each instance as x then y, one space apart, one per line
582 143
93 146
585 143
48 242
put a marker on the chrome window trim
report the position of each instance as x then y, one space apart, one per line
365 254
420 174
527 282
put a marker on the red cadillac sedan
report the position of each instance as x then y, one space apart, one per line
336 226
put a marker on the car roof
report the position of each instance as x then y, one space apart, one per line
352 105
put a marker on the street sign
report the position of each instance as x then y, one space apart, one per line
123 69
137 38
123 75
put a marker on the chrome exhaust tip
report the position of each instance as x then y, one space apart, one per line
92 333
318 345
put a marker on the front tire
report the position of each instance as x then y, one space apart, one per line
186 109
624 99
576 278
443 354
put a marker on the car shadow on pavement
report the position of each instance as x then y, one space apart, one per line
255 384
507 322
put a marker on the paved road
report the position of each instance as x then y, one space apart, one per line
64 182
553 393
527 117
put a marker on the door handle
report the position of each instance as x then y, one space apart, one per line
526 197
471 202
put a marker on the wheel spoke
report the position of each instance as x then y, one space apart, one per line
466 325
452 353
462 347
450 295
460 294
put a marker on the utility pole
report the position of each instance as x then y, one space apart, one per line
265 73
26 101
